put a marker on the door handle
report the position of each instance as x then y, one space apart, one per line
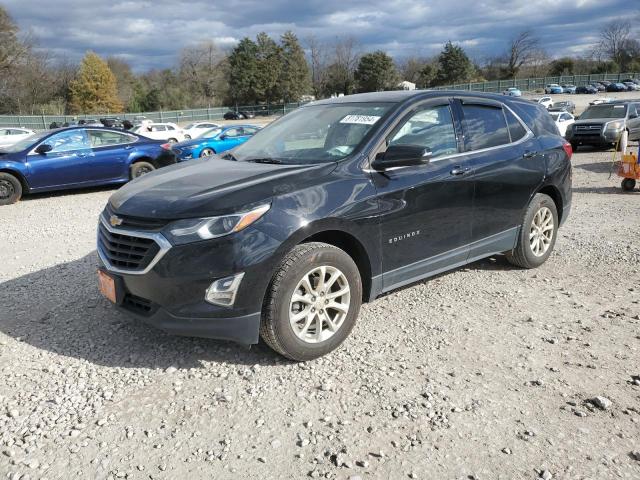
529 154
458 170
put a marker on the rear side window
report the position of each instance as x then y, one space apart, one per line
486 127
516 130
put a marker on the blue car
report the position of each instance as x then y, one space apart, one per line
553 88
77 157
216 140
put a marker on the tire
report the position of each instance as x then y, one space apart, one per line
538 211
628 184
187 137
141 168
623 142
10 189
300 340
207 152
173 140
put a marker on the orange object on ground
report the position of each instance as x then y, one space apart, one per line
629 167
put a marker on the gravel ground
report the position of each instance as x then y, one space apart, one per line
487 372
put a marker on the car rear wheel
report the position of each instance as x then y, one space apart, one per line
173 140
628 184
10 189
141 168
187 137
207 152
312 303
538 233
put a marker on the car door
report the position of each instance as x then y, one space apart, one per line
425 224
67 163
633 122
508 167
229 139
110 153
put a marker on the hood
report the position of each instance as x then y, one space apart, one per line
209 187
597 120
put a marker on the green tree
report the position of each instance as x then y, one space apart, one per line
95 89
269 68
427 75
454 65
295 79
562 66
376 72
243 72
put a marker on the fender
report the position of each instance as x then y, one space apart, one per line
19 169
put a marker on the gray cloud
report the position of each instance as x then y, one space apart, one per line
149 34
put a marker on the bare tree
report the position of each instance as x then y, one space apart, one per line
522 49
318 63
201 67
614 37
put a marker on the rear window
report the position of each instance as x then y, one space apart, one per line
486 127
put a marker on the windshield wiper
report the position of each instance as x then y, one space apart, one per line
274 161
229 156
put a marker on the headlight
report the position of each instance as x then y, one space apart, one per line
614 125
196 229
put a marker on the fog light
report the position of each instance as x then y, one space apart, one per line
223 291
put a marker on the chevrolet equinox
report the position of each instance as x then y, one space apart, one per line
334 204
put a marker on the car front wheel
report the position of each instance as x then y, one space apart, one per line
207 152
312 303
10 189
538 233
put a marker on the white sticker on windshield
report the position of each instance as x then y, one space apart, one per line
360 119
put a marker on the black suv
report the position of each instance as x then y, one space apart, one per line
334 204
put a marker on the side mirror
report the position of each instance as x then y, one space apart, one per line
401 156
633 115
223 137
43 148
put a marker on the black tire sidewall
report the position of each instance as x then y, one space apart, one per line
539 201
135 168
296 348
205 150
17 189
628 184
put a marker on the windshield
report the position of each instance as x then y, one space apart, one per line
555 116
190 126
314 134
25 143
211 133
604 111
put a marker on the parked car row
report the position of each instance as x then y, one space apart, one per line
627 85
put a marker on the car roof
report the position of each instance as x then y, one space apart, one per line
402 96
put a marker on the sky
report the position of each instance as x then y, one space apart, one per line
150 34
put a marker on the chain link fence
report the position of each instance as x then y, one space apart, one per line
42 122
538 83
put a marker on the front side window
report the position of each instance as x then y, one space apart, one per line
68 141
102 138
232 133
431 128
314 134
485 125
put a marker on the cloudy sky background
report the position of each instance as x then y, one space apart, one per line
149 34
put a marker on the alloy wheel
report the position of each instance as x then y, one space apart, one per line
541 232
319 304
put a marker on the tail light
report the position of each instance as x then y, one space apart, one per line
568 149
166 146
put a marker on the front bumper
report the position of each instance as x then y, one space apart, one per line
598 138
170 294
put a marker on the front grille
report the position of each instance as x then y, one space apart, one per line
137 304
588 129
126 251
138 223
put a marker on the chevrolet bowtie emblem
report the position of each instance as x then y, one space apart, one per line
114 220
